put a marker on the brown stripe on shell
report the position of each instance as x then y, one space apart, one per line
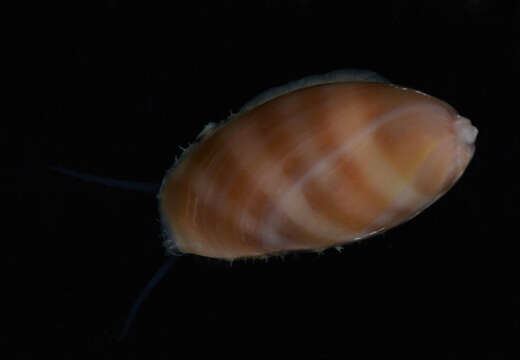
259 144
345 197
439 168
223 188
405 142
427 183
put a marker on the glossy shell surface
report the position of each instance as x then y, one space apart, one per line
315 167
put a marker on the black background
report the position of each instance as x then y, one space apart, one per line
116 88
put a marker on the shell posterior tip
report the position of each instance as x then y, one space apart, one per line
466 132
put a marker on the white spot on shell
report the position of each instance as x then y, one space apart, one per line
465 131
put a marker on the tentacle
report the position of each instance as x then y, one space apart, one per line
122 184
159 275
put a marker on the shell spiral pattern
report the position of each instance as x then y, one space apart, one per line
315 167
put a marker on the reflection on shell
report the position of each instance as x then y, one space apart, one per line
312 166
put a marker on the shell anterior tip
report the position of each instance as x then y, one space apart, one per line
466 132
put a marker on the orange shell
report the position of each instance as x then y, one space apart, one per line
313 168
